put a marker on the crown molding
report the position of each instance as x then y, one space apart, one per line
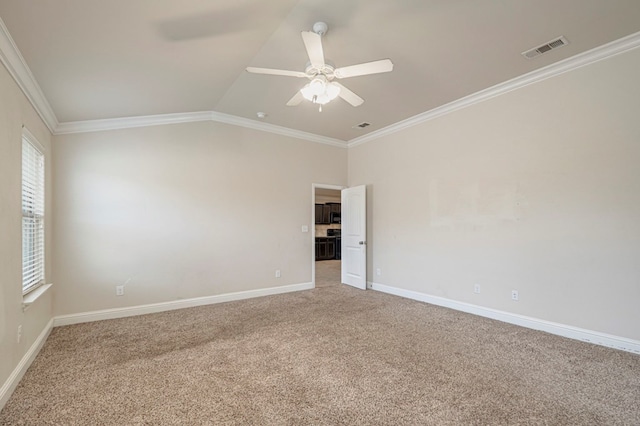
605 51
189 117
130 122
17 67
279 130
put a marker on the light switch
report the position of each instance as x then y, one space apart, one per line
305 228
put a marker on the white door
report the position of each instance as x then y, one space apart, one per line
354 232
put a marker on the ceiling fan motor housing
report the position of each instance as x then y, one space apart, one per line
326 70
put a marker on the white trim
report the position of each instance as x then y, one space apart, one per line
580 60
188 117
130 122
12 381
19 70
33 295
16 375
279 130
173 305
563 330
17 67
33 140
327 186
313 224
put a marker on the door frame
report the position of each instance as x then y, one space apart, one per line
313 223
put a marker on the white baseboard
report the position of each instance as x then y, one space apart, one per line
571 332
12 381
174 304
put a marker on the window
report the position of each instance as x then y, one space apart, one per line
32 213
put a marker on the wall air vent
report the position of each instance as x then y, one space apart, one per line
553 44
362 125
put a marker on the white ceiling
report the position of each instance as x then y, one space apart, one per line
96 59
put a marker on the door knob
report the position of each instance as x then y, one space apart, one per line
362 243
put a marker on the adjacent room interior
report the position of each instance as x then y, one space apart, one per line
327 241
174 242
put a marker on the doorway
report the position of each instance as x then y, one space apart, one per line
327 240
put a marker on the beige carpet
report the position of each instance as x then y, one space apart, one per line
333 355
327 273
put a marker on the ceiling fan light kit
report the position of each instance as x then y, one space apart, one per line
321 89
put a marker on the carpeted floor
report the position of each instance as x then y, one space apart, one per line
328 356
328 273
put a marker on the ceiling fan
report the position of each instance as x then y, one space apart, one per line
322 88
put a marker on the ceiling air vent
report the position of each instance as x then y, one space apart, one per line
362 125
553 44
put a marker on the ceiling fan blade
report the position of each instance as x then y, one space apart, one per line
348 95
313 44
375 67
271 71
297 98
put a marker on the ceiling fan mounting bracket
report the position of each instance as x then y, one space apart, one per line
320 28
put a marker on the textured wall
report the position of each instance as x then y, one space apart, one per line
182 211
16 111
536 190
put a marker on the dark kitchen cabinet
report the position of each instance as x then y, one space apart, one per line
323 214
326 213
321 249
331 248
325 248
319 208
335 207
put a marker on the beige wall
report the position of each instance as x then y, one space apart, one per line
182 211
536 190
16 111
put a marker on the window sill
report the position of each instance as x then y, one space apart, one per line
32 296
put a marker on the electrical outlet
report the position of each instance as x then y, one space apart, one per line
119 290
19 333
514 295
378 272
476 289
277 273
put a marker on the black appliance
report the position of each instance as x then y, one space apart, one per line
334 217
336 233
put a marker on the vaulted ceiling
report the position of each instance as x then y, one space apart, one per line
96 59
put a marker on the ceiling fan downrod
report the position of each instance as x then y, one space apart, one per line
320 28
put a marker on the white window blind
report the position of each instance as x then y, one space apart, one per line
32 216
